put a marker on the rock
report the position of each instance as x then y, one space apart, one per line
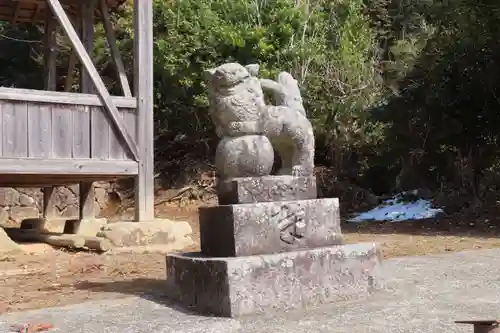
101 196
71 211
160 231
237 286
7 245
65 198
75 189
97 209
20 213
26 200
4 215
8 196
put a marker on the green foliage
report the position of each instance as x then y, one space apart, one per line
401 93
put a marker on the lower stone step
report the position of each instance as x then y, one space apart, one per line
231 287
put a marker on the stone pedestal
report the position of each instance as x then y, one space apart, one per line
274 247
269 227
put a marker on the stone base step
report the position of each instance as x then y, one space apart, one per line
269 227
236 286
266 189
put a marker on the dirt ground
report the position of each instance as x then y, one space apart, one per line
45 277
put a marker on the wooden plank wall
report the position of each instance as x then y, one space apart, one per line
45 130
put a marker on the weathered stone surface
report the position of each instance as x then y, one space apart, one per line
7 245
159 231
64 197
269 227
20 213
266 189
54 224
8 196
238 110
71 211
4 215
243 156
26 200
250 285
85 227
17 204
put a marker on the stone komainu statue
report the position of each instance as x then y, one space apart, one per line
249 129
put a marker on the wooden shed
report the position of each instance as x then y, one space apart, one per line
50 138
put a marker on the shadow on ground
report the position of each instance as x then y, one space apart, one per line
444 226
150 289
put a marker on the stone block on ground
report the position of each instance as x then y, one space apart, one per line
232 287
85 227
53 224
269 227
266 189
159 231
7 245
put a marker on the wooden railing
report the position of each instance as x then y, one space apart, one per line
42 124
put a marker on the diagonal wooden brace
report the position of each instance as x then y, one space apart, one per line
104 95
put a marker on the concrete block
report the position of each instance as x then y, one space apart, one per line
85 227
269 227
266 189
157 232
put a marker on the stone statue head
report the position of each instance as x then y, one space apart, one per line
230 74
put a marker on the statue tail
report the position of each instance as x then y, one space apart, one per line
291 90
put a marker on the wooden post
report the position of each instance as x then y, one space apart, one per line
73 60
68 85
49 205
50 77
87 198
143 89
87 34
86 26
115 52
50 54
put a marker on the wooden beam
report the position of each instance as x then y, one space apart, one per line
87 8
49 202
38 9
17 10
113 113
70 77
87 37
50 83
59 97
50 55
115 52
143 87
16 166
73 59
87 198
